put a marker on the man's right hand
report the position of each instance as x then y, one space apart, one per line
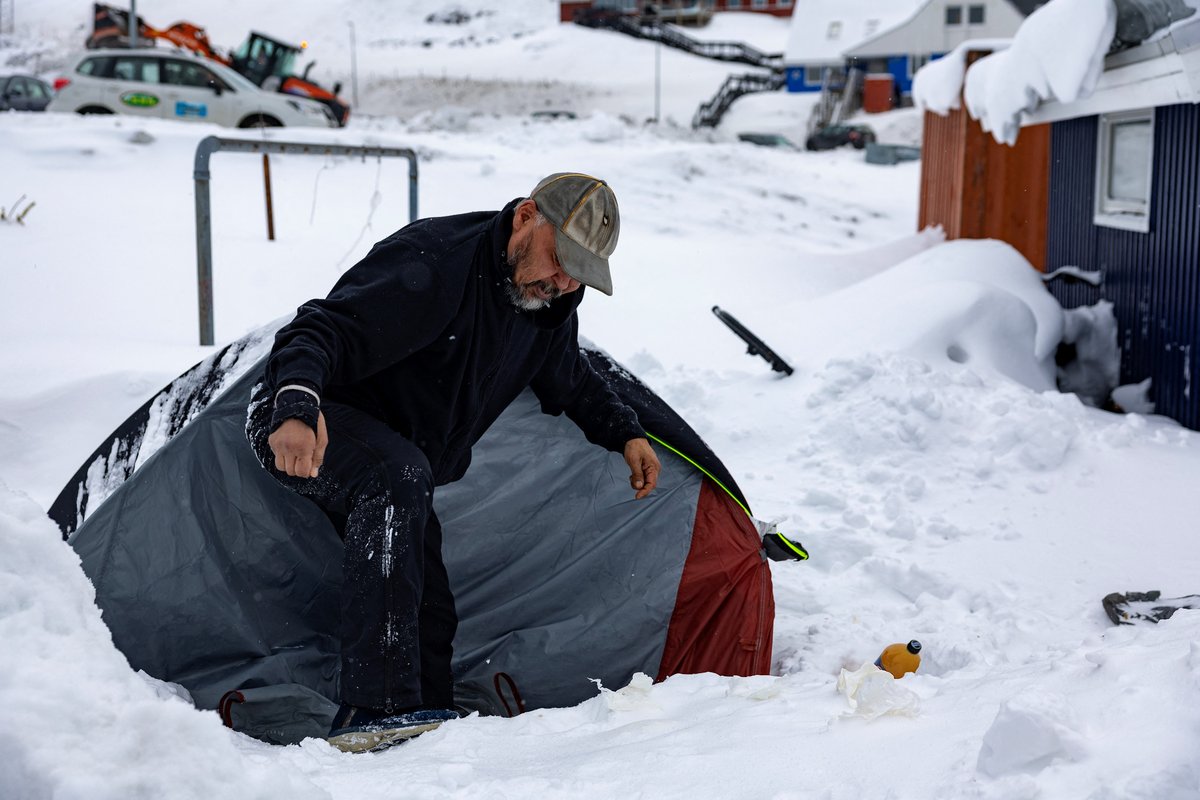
298 451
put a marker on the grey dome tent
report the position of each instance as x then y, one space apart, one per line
212 576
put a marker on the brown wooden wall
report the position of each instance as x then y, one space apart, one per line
978 189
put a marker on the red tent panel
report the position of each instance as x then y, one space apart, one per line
724 614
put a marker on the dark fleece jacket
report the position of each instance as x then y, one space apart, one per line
421 335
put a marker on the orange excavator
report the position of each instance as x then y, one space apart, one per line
263 60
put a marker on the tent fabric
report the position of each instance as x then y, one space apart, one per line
213 576
660 420
209 573
281 714
154 424
725 596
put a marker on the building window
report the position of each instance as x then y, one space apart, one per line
834 30
733 4
784 4
954 15
975 15
1124 168
813 76
760 3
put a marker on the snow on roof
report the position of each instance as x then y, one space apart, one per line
1045 76
1041 64
823 30
937 87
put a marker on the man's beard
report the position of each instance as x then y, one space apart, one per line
519 294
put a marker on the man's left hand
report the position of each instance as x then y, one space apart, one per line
643 467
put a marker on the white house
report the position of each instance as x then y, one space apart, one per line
886 36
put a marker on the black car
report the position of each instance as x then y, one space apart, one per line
24 93
833 136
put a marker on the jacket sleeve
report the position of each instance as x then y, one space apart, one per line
384 308
567 382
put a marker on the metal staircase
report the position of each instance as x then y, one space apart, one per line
649 27
709 114
839 99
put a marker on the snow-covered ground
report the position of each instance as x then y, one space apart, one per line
946 491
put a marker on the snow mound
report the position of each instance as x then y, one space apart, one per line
964 302
1028 734
78 722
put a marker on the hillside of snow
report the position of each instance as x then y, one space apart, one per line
946 491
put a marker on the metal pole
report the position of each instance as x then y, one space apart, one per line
202 176
133 25
657 77
353 63
412 187
204 292
267 188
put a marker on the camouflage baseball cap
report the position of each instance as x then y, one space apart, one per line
586 223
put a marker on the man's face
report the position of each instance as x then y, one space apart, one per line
537 276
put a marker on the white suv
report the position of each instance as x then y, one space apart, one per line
178 85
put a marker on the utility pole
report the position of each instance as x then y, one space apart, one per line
7 16
651 18
133 24
353 64
657 78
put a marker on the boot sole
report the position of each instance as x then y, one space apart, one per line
376 741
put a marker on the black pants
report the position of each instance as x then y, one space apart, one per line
398 617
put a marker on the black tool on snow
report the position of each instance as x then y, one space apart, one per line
754 345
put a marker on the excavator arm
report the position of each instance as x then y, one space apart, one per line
111 29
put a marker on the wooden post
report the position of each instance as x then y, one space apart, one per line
976 188
267 188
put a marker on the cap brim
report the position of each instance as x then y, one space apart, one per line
582 264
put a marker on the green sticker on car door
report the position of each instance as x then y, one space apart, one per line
139 100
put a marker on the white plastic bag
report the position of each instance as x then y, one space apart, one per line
871 693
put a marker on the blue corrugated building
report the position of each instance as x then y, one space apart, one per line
1124 200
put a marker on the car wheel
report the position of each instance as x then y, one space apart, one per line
93 110
859 144
260 121
810 144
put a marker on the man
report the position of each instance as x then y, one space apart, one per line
376 394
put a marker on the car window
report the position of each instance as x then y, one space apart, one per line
234 81
182 73
136 68
37 90
16 88
126 69
98 67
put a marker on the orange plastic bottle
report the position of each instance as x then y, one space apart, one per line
900 658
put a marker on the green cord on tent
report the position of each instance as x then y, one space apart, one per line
800 552
706 472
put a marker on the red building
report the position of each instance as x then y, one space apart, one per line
694 9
